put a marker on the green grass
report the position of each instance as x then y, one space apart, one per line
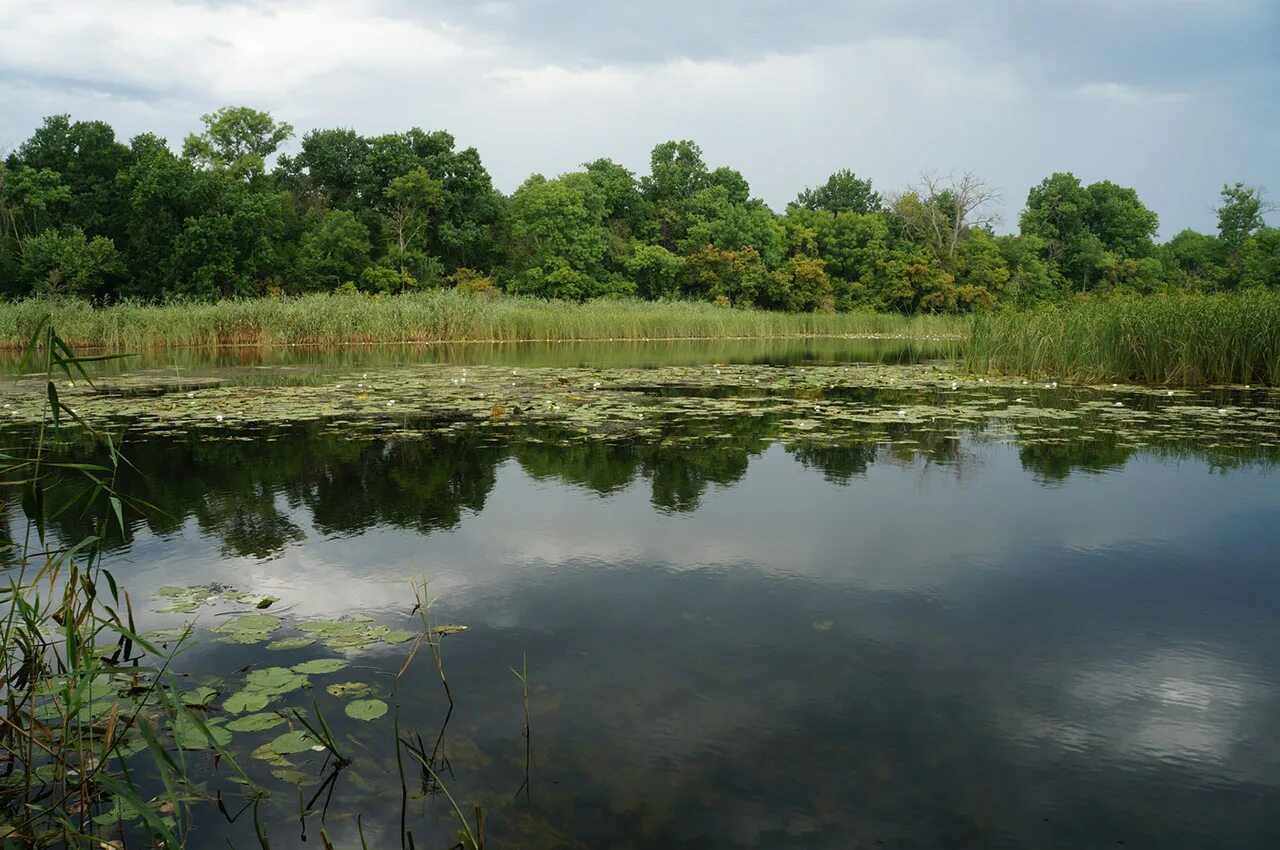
433 317
1175 339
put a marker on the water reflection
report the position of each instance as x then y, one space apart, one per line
933 638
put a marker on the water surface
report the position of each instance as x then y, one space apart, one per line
955 636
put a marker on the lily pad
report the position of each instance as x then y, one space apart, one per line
255 722
366 709
399 636
291 643
199 696
274 680
245 700
293 742
188 735
320 665
348 689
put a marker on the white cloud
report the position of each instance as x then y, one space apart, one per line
887 106
1130 95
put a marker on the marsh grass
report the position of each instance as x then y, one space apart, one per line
1180 340
442 316
82 694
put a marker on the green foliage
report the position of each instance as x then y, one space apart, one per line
407 211
1239 214
236 139
69 263
843 192
334 251
1181 339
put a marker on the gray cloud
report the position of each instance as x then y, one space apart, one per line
1173 97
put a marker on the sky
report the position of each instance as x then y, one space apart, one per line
1172 97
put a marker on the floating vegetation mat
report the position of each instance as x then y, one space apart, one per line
795 404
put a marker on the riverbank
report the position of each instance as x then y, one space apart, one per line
446 316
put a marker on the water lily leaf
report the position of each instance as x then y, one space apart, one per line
822 625
448 628
348 689
399 636
266 602
320 665
274 680
293 777
245 700
188 735
165 635
291 643
251 623
265 753
293 742
199 696
255 722
366 709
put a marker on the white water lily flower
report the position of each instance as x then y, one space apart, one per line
1170 392
1222 411
1119 404
1018 400
390 403
218 417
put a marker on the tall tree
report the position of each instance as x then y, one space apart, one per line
844 191
238 139
1240 214
938 210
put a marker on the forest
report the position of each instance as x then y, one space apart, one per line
84 214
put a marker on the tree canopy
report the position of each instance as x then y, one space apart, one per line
241 211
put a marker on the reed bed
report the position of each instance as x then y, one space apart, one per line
443 316
1183 340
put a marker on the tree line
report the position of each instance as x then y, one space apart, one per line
84 214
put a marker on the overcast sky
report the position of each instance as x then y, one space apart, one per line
1173 97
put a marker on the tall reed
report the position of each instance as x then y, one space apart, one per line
1184 339
432 317
81 692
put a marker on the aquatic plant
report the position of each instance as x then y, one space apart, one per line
1182 340
433 317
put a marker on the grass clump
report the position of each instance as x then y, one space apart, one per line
1183 339
439 316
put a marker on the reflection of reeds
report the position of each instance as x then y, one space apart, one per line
523 676
1180 339
434 316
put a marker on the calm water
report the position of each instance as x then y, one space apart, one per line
738 644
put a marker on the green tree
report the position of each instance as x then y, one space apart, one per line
69 262
1079 227
676 171
558 237
1193 260
844 191
336 250
655 270
87 158
1240 214
409 201
714 219
1122 223
332 166
237 139
1260 259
